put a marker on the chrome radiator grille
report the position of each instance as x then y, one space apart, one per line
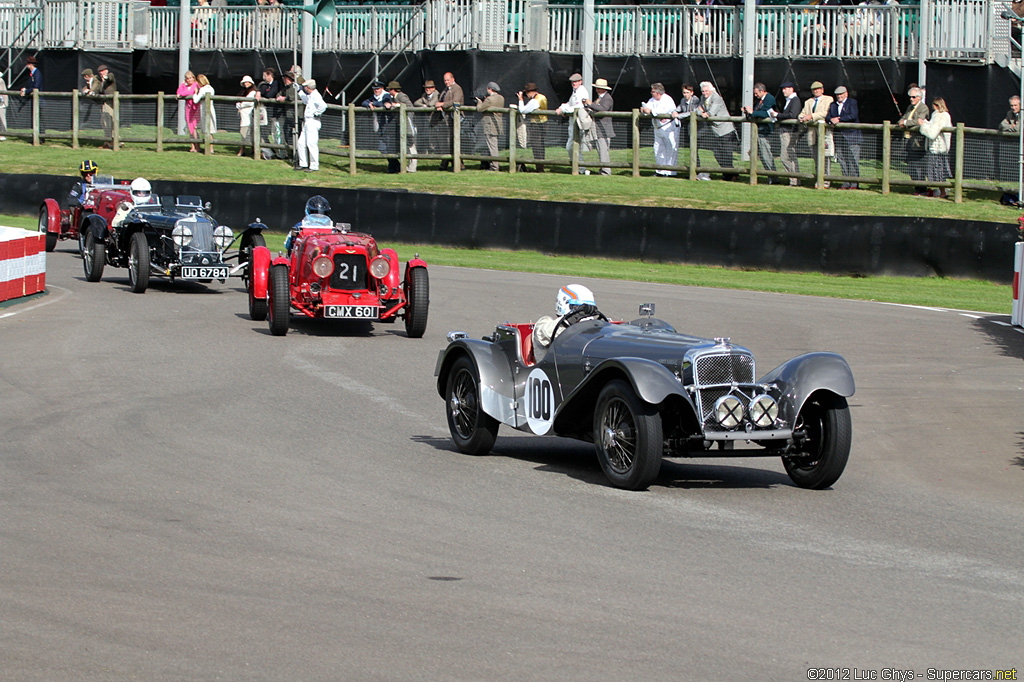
202 234
714 375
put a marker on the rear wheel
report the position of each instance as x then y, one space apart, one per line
44 227
824 453
418 297
138 263
280 300
94 257
473 430
628 437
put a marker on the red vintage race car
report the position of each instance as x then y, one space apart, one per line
335 273
65 219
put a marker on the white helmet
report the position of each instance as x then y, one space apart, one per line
141 190
572 295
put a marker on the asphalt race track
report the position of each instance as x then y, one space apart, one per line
185 497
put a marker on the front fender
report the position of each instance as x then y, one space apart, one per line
651 381
96 225
52 209
798 378
260 272
497 385
392 280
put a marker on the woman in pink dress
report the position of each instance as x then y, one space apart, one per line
185 91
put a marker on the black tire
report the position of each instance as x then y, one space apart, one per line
473 430
826 419
628 437
44 224
94 257
138 263
83 227
245 253
418 297
280 300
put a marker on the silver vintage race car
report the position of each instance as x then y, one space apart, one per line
641 391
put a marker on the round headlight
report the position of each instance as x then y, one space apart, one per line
181 235
379 267
729 411
223 236
322 266
764 410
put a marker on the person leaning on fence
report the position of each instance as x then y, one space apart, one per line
492 121
531 100
1011 122
398 98
844 110
451 97
666 129
603 126
1006 150
309 138
575 103
721 135
209 119
35 77
429 100
938 144
917 152
379 102
759 113
816 109
286 99
267 92
789 135
689 104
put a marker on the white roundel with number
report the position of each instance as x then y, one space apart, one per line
540 402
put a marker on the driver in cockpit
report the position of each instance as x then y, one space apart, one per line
318 209
573 303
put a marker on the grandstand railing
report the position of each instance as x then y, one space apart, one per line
362 140
958 30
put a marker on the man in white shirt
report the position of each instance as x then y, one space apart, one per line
575 103
309 138
666 130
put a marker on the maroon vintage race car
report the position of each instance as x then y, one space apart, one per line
66 220
334 273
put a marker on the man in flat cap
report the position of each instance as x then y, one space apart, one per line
106 87
816 109
844 110
379 102
789 133
287 97
574 104
493 121
429 99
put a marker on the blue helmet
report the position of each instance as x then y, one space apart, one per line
317 205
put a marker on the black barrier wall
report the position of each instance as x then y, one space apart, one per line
810 243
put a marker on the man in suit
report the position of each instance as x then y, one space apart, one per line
789 134
722 134
429 100
759 113
816 109
844 110
492 121
917 150
106 86
531 100
575 103
605 130
451 97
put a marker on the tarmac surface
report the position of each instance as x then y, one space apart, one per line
185 497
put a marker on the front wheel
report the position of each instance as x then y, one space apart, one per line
94 257
44 227
473 430
280 300
138 263
826 448
418 295
628 437
245 253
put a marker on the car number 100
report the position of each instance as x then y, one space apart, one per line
540 402
359 312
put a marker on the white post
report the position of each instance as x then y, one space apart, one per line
307 45
749 37
589 29
185 46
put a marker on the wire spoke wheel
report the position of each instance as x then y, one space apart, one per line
627 436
